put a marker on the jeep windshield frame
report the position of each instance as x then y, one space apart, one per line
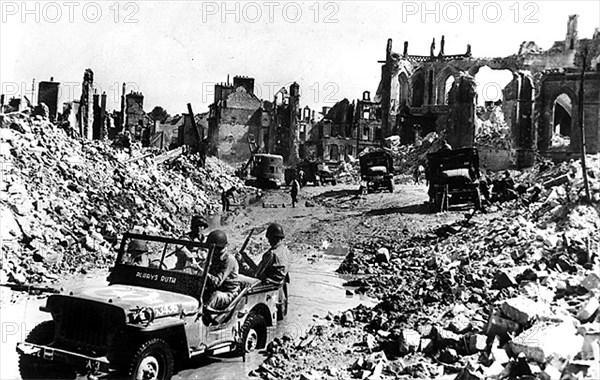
152 276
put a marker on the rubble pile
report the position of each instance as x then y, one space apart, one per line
493 132
560 141
65 201
563 183
409 156
500 296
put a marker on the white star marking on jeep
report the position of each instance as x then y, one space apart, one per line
124 294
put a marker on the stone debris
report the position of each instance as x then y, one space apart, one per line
510 294
65 201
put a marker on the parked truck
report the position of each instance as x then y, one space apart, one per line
377 170
453 177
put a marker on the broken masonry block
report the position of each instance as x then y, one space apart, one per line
409 341
588 309
501 327
448 356
382 255
521 310
544 341
468 373
427 346
503 279
347 318
477 343
591 281
460 324
447 338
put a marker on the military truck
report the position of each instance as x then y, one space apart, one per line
147 317
267 171
316 173
377 170
453 177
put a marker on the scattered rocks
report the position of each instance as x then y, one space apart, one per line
67 198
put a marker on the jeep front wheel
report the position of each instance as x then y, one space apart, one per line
32 367
254 333
152 361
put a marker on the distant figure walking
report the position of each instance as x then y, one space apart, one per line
226 197
294 191
419 169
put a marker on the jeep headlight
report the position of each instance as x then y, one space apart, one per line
140 315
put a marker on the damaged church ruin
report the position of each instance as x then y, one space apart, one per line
421 94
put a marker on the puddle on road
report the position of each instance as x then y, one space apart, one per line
315 289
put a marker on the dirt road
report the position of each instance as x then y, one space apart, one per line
318 238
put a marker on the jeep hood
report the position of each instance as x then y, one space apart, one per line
133 297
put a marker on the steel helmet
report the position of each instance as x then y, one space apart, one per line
218 238
275 230
200 221
137 245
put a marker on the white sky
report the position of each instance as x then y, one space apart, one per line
174 51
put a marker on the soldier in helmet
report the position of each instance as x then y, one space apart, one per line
137 251
222 280
186 255
271 268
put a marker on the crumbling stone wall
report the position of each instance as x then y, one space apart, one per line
554 84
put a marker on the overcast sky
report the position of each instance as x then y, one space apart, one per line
173 52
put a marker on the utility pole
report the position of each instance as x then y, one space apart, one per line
584 55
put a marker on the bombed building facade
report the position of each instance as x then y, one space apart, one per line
345 130
238 119
422 94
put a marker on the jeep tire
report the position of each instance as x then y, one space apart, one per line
253 333
153 360
32 367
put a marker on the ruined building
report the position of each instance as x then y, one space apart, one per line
135 117
85 116
238 115
437 92
48 94
101 120
346 130
233 116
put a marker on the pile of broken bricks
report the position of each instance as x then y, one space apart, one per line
65 201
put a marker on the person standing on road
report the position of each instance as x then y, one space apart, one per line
294 191
226 197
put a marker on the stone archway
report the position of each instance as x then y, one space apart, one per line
441 80
547 123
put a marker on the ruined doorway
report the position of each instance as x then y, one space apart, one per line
447 87
561 121
418 87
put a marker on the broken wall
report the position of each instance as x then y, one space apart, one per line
554 84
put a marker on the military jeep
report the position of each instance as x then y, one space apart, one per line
151 314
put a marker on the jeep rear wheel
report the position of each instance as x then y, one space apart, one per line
152 361
32 367
254 333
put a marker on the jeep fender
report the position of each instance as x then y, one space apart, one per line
170 329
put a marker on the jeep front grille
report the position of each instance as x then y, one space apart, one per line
87 325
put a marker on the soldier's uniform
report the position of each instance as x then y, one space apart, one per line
223 281
271 267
